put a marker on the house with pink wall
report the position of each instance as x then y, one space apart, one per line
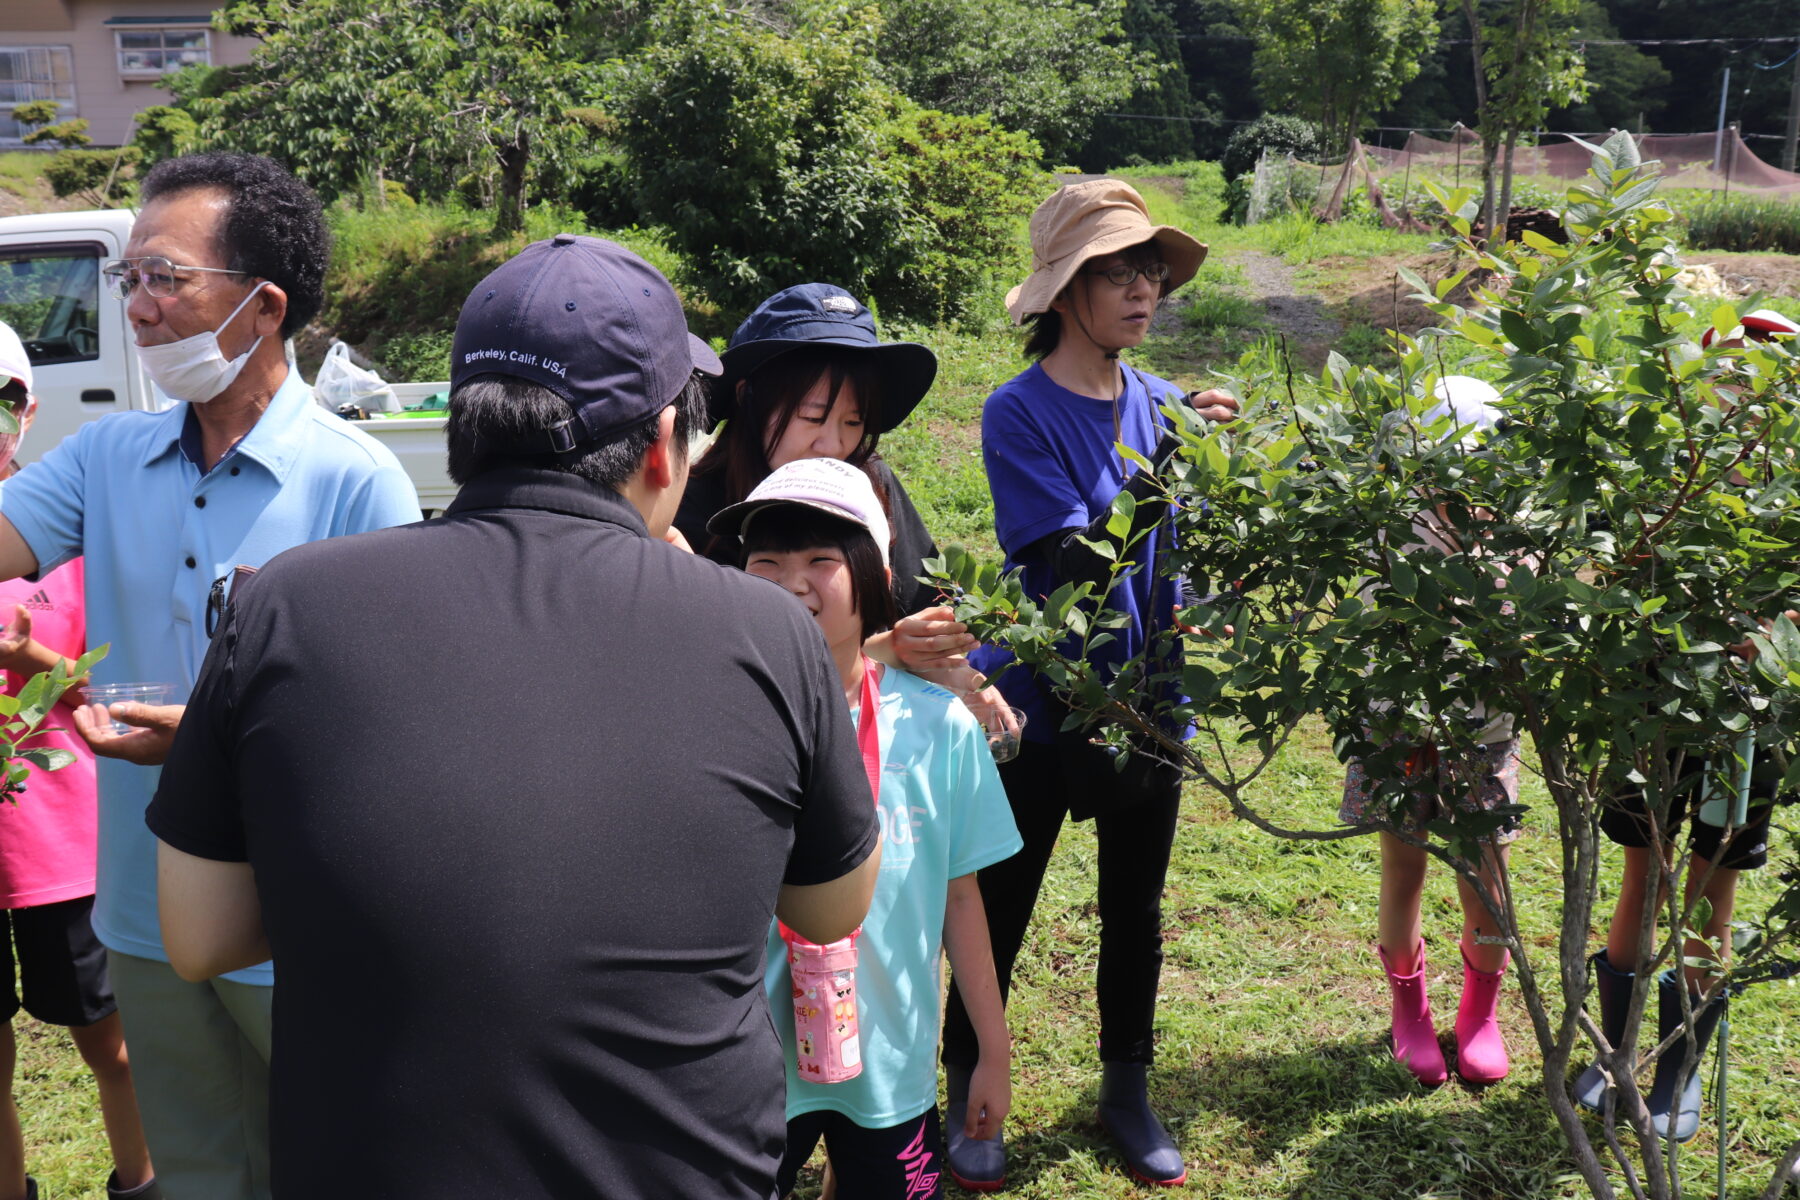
103 59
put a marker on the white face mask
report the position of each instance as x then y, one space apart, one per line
195 369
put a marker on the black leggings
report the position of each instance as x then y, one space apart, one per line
901 1162
1133 861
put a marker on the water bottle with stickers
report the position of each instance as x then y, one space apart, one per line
825 1037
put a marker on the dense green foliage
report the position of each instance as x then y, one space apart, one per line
1737 221
1271 133
1046 67
423 91
164 131
1337 61
773 158
1153 123
1278 136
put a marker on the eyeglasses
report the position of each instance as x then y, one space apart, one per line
157 274
1124 273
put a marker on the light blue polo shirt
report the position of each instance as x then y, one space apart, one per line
124 493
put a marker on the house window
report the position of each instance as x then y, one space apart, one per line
159 51
30 73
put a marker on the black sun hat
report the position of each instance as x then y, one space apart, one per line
823 314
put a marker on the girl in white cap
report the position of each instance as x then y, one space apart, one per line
815 528
1049 439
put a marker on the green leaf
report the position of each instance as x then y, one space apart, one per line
47 758
1518 331
1402 578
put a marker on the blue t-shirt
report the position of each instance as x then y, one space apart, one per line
125 492
944 814
1052 466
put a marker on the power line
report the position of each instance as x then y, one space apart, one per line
1597 133
1574 41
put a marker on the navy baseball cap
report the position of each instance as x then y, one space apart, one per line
589 320
823 314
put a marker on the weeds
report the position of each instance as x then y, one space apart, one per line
1741 222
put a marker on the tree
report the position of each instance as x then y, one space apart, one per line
1215 57
48 131
776 153
1635 518
423 91
1046 67
1623 81
74 170
1338 61
1525 64
1152 125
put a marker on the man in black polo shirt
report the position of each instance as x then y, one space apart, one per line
511 796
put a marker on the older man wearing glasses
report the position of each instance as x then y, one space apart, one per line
226 260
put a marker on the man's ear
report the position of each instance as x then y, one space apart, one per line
271 310
663 461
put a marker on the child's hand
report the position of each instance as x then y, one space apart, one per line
14 637
990 1098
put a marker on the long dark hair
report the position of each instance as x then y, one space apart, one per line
770 397
782 528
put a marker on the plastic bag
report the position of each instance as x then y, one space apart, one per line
341 382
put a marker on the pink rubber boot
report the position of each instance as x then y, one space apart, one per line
1480 1050
1415 1038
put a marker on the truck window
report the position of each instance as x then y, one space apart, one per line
50 296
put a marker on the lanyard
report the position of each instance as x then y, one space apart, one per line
867 736
868 742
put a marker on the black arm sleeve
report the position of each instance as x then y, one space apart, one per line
1076 562
913 543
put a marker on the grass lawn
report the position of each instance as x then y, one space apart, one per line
1274 1072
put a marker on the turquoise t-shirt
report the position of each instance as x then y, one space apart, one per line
943 815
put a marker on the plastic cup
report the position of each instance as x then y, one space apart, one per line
1005 726
110 694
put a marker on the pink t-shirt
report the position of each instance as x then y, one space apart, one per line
47 837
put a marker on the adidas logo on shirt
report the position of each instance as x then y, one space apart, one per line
39 601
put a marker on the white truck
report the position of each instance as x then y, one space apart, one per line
80 347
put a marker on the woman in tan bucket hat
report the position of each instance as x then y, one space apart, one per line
1049 438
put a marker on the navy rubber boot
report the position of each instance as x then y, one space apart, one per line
977 1166
1125 1113
1671 1102
1614 989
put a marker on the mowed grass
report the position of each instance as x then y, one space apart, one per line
1274 1072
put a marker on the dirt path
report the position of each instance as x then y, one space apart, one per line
1304 318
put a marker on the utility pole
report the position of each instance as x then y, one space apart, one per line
1793 129
1719 137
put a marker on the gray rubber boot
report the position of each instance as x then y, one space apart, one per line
1125 1113
1672 1102
977 1166
1614 988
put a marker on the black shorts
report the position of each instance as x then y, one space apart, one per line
1627 823
61 965
901 1162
